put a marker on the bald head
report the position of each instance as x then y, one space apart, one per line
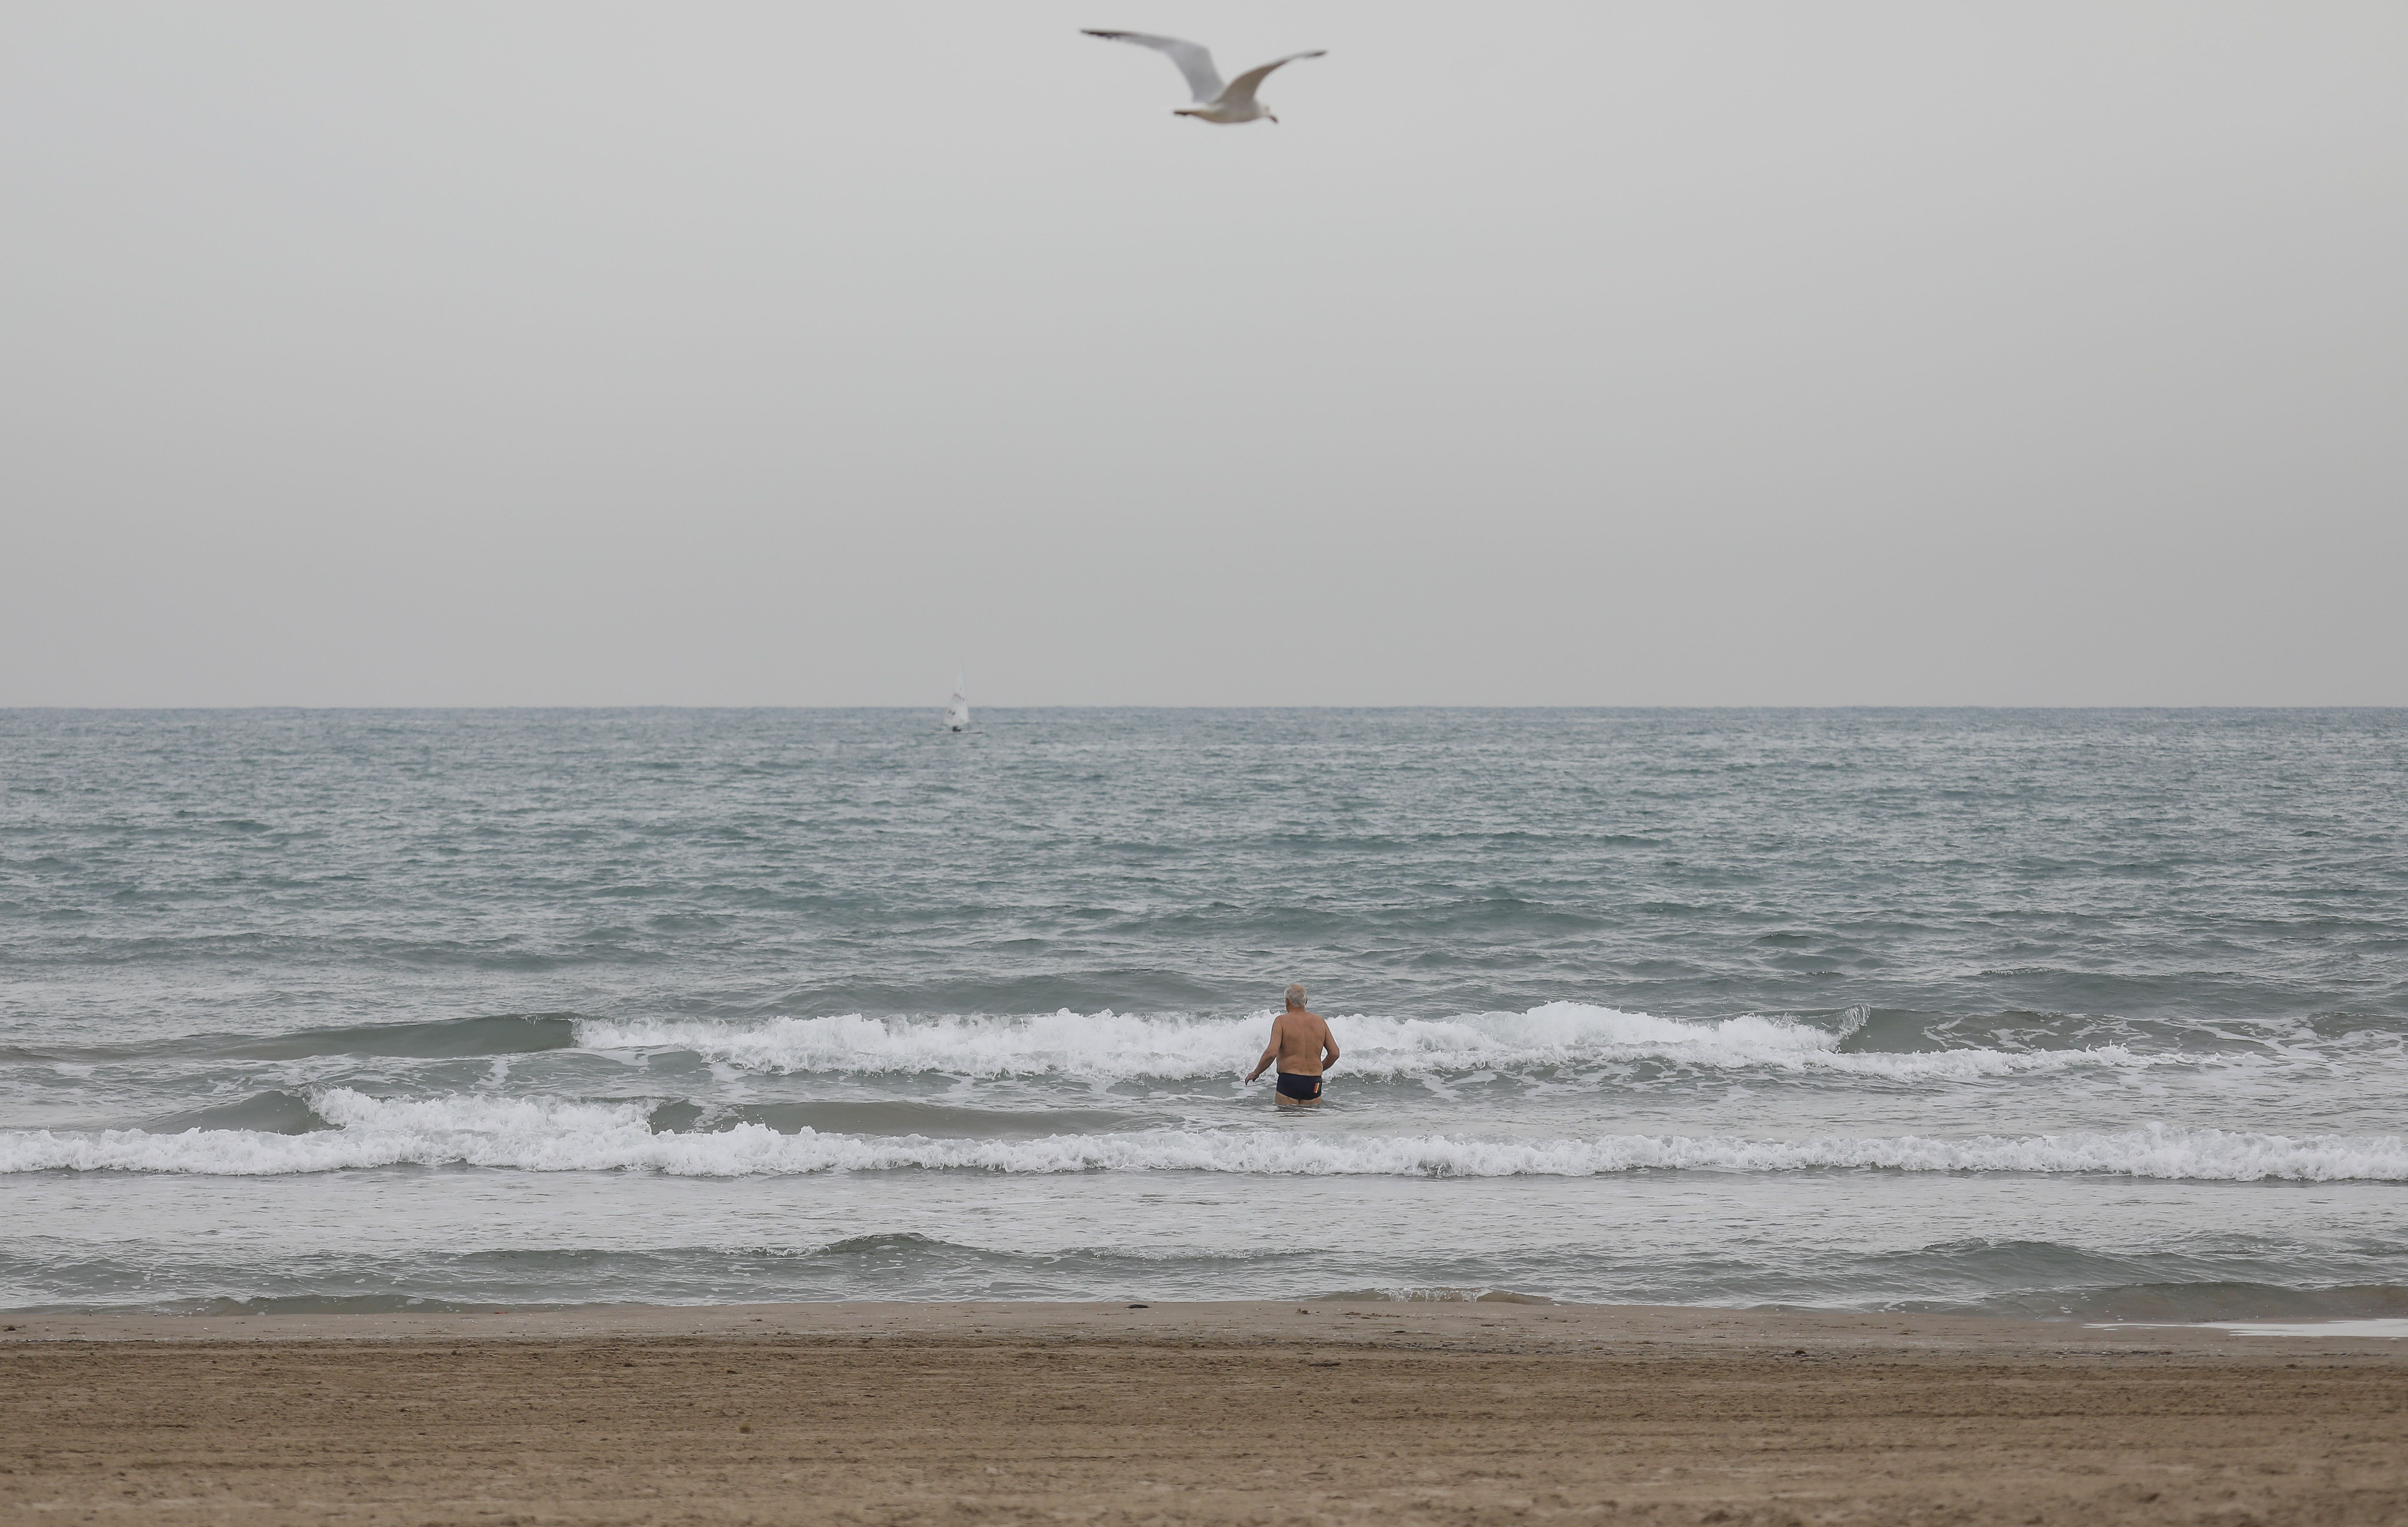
1296 996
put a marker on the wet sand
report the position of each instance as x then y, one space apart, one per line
1207 1413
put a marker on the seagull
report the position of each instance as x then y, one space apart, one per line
1215 101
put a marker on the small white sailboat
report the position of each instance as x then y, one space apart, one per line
957 710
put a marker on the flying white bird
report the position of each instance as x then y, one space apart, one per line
1215 101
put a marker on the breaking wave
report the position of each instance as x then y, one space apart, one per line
1125 1047
550 1135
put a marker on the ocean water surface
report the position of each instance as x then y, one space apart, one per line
2081 1014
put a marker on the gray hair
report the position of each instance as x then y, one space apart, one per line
1295 995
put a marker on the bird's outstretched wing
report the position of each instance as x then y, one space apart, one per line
1242 88
1194 59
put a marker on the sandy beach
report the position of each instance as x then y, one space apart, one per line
1237 1412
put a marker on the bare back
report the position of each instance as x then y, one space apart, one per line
1302 1039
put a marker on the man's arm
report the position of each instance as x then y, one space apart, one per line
1329 1048
1270 1051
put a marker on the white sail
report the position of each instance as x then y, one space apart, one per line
957 711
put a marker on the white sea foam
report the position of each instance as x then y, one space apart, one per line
544 1136
2392 1330
1119 1047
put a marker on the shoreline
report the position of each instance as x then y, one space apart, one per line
1469 1325
1253 1412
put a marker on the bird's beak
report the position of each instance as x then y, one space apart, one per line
1274 119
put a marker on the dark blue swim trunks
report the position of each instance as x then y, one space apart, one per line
1302 1088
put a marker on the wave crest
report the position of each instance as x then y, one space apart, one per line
1123 1047
550 1135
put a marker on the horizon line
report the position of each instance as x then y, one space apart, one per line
2127 706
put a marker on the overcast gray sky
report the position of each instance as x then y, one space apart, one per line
1790 352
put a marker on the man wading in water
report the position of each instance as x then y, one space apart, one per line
1304 1047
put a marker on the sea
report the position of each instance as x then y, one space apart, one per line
2083 1015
